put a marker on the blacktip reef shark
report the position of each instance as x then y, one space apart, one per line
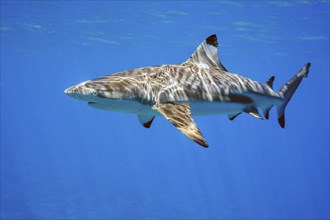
200 86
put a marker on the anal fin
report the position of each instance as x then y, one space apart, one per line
253 111
180 116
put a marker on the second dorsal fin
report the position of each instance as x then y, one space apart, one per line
270 82
206 54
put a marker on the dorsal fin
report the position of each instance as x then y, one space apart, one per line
206 54
270 81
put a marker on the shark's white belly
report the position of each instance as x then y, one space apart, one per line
203 109
215 108
197 108
127 106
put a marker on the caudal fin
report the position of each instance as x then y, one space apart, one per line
287 91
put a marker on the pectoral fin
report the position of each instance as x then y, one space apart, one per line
179 115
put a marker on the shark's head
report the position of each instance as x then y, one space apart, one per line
109 87
81 92
110 93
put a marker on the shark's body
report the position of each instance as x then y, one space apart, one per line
199 86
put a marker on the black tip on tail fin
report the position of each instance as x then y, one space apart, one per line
281 121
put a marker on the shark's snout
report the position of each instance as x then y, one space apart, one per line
80 91
71 90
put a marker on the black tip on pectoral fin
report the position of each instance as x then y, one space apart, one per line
281 121
203 144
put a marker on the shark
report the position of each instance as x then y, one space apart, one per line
200 86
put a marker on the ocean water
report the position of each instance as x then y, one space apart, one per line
61 159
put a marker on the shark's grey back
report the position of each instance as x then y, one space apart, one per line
182 83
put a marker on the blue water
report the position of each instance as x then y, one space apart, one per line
61 159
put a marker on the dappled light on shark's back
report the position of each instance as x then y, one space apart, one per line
199 86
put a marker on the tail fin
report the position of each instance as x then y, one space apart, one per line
287 91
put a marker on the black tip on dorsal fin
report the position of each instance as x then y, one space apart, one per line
212 40
206 54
